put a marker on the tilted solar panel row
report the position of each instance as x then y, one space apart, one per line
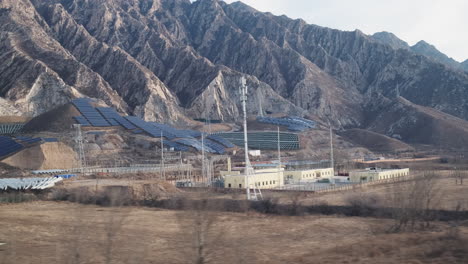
174 145
50 139
195 144
290 122
110 114
28 140
221 140
148 127
215 146
8 146
81 120
264 140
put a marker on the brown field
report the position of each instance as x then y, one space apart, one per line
62 232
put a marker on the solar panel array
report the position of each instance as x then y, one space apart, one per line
149 128
174 145
90 113
107 116
218 148
8 146
114 118
8 129
221 141
81 120
28 140
264 140
50 140
194 143
293 123
28 183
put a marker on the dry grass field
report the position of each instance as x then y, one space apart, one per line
62 232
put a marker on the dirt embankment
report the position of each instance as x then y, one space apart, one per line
374 141
57 120
13 119
52 155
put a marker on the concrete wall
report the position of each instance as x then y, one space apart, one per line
375 175
310 174
263 179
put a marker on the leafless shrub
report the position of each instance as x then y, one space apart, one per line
197 222
411 202
459 176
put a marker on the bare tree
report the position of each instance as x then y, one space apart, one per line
411 202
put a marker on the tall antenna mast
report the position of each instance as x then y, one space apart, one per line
248 166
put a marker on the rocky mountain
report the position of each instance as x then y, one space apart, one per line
390 39
421 48
465 65
173 59
432 52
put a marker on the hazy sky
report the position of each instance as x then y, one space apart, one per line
443 23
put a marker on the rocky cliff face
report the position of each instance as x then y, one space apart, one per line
465 65
168 59
432 52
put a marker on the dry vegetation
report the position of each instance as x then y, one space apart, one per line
148 221
51 232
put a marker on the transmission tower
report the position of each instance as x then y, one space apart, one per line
80 148
256 194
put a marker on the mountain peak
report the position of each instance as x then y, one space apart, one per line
430 51
390 39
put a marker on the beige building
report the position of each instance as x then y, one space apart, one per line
262 179
309 174
375 174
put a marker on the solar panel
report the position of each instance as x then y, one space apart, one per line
8 146
264 140
149 128
8 129
221 140
114 118
293 123
218 148
174 145
191 142
28 183
90 113
81 120
50 140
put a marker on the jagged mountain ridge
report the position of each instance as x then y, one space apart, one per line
164 59
421 48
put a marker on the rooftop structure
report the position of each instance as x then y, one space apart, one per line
375 174
309 174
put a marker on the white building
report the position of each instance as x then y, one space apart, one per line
262 179
375 174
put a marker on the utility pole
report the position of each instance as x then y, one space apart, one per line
332 161
163 176
79 142
279 157
203 158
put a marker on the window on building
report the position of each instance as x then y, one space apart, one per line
229 185
240 185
